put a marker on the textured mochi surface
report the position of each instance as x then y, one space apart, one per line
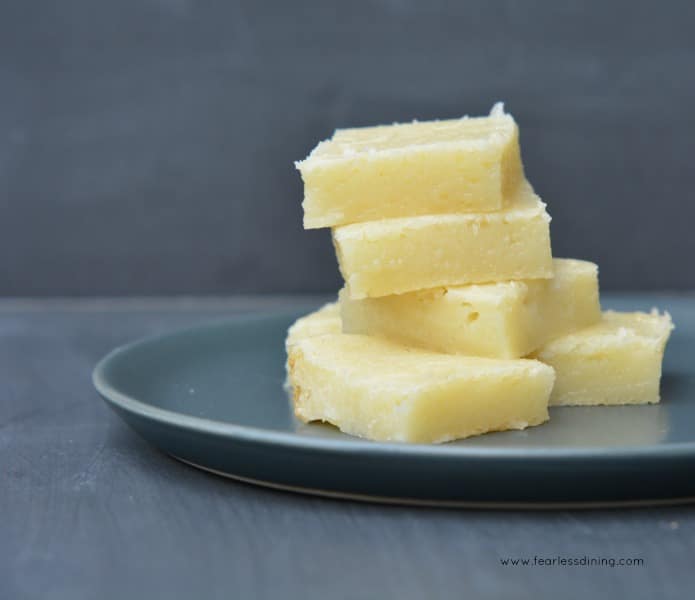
499 320
617 361
419 168
373 388
394 256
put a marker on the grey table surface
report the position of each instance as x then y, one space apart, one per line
89 510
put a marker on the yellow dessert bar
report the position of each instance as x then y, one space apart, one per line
617 361
412 253
508 319
373 388
432 167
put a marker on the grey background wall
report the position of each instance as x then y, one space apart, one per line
146 146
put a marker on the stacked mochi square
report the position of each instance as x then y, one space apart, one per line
455 319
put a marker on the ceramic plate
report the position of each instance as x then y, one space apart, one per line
213 396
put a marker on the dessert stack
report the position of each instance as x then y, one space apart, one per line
455 319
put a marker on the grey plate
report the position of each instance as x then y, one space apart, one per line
213 396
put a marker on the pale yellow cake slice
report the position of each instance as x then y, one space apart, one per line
401 255
432 167
617 361
373 388
500 320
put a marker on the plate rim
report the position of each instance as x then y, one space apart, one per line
531 505
351 445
